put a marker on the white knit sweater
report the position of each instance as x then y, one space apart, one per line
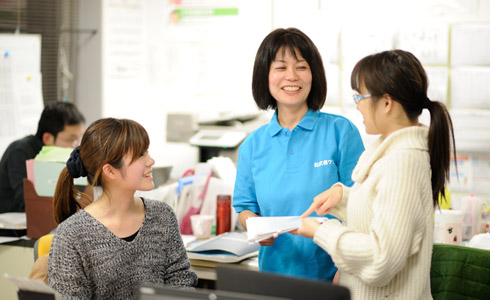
384 248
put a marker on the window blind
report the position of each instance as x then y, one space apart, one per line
56 21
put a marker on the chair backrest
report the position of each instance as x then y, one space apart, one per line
459 272
39 212
42 245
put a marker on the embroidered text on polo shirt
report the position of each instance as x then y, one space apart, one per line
322 163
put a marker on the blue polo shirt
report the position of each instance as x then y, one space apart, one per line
279 172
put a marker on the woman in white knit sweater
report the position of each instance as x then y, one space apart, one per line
383 246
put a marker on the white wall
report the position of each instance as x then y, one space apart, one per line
89 78
150 66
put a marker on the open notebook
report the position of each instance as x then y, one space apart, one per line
229 247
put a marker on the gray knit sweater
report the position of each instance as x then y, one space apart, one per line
87 261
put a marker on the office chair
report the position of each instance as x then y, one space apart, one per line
42 245
39 270
459 272
39 212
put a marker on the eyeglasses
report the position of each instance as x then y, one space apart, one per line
358 97
71 142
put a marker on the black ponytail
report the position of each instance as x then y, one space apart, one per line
441 142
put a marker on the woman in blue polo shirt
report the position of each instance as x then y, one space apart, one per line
283 165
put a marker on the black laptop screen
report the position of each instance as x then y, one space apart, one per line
270 284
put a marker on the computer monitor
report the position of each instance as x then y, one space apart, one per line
271 284
156 292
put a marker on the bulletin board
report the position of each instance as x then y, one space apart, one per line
21 101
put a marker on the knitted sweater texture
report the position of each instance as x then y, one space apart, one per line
87 261
383 250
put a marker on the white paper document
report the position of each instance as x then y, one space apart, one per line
13 221
261 228
32 285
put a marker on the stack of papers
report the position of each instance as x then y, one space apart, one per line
15 221
261 228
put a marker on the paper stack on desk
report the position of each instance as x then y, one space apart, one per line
261 228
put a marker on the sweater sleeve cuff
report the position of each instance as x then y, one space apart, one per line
340 210
328 234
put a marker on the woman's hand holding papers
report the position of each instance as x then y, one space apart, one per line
323 202
308 227
268 242
244 215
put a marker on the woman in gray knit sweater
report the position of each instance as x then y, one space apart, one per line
109 248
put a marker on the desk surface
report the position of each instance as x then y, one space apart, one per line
29 243
16 259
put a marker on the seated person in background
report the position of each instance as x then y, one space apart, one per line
61 124
109 248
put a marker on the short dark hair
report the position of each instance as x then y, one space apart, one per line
56 115
296 42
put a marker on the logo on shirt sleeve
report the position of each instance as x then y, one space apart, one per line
322 163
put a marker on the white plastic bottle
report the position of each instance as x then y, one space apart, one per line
471 208
448 226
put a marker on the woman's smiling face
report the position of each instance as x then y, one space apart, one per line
289 79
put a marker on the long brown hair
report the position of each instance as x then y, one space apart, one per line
400 74
106 141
